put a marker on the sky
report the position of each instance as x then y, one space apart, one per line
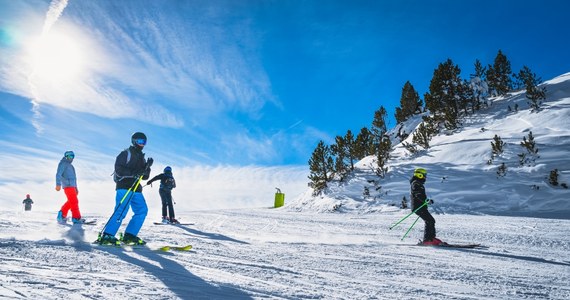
240 83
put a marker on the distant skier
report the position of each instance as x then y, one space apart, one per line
167 183
418 196
130 166
65 177
28 203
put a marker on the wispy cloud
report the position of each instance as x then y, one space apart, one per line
55 10
158 57
190 75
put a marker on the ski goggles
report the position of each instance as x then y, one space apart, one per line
420 175
140 142
69 155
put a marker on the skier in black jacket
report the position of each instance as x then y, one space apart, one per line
418 195
130 165
167 183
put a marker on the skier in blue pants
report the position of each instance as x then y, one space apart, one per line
138 204
130 165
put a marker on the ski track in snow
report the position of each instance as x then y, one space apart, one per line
276 254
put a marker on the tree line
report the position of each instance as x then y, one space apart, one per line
448 100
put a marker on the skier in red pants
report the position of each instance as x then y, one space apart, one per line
65 177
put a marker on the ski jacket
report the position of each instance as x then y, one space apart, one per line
417 192
65 175
129 165
167 181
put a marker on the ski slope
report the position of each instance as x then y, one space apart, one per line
278 254
460 178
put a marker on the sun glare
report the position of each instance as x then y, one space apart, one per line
56 57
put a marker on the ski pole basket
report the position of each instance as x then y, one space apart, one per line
279 198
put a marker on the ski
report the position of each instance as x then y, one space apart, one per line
160 223
90 222
446 245
166 248
177 248
462 245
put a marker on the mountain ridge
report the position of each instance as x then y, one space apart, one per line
460 178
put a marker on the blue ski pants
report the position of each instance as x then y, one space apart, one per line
135 201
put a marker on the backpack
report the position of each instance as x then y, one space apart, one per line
168 183
118 178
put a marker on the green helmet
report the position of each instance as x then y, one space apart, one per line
420 173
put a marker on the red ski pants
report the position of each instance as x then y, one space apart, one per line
71 204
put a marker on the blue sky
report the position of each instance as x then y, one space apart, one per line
242 82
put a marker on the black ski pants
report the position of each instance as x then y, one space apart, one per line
429 230
166 197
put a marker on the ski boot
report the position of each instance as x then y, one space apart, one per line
432 242
60 218
107 239
174 221
129 239
78 221
165 220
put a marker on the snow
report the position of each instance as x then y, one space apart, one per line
334 246
278 254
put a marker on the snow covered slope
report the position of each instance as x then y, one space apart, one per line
278 254
459 178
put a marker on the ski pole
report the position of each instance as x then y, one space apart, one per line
413 212
410 228
130 197
133 188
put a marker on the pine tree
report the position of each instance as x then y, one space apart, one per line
423 134
553 177
502 170
497 145
479 87
338 151
410 103
344 152
529 145
321 166
363 144
447 93
379 125
382 156
499 75
479 70
350 149
534 94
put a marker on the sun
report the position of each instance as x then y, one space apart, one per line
56 57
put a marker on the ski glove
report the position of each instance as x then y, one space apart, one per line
149 162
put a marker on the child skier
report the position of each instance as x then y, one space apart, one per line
418 196
167 183
65 177
130 166
28 203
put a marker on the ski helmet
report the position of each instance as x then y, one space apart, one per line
27 195
138 139
69 155
168 169
420 173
